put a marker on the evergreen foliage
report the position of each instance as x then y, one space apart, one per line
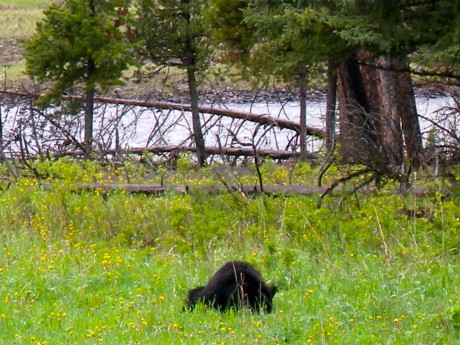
315 30
70 35
172 34
79 44
368 40
222 15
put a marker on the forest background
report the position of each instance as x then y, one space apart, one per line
356 266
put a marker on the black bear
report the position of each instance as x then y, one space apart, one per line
234 285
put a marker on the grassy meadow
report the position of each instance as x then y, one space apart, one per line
17 22
91 268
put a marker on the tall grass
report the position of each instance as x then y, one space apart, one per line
82 267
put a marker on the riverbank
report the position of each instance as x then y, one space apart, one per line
238 95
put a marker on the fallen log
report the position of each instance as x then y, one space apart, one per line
269 190
226 151
149 189
155 189
256 118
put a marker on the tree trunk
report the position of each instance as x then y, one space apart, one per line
358 137
89 108
390 122
331 105
196 123
89 96
303 117
378 117
409 116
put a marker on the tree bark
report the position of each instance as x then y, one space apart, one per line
331 105
89 96
256 118
390 121
378 117
409 117
190 62
89 108
303 117
153 189
358 137
213 150
196 122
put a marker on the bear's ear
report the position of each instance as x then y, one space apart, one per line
272 290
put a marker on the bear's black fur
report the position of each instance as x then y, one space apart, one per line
234 285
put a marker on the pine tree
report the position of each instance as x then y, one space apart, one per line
370 43
173 35
79 44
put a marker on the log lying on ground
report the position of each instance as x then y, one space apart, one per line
226 151
269 190
155 189
148 189
262 119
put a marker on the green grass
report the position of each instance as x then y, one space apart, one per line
86 268
13 72
17 22
100 293
33 4
18 17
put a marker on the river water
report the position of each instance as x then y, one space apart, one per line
427 107
137 127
